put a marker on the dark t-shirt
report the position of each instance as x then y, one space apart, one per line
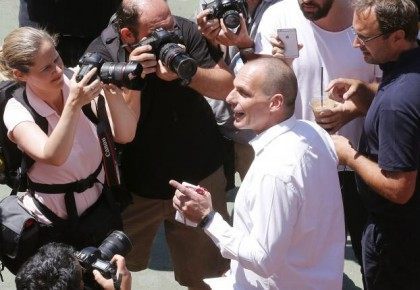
391 134
177 136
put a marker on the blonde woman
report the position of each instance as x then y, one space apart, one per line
69 152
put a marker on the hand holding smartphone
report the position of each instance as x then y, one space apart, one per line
289 38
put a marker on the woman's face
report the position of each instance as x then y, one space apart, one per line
46 73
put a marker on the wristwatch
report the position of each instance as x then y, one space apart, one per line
207 219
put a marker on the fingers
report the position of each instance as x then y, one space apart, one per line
87 77
100 279
202 17
338 82
112 89
181 189
144 56
76 71
349 92
209 28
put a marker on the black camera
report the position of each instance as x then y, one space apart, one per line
165 46
91 258
121 74
228 10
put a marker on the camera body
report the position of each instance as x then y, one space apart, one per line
229 11
121 74
91 258
165 46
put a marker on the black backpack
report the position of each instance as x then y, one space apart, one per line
15 164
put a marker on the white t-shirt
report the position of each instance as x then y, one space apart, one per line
331 50
288 226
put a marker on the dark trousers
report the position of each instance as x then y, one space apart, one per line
391 257
355 213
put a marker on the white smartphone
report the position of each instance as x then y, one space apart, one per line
289 38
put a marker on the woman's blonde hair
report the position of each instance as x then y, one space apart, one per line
20 48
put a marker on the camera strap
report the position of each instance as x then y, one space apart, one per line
108 162
106 141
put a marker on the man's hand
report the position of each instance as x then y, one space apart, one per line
146 58
209 28
361 94
194 205
333 119
123 275
278 49
344 149
165 73
241 39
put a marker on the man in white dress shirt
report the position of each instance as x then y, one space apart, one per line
288 229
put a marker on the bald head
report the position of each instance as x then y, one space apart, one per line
133 14
274 77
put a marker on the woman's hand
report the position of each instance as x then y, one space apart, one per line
81 93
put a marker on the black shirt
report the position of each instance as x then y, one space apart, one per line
391 134
177 136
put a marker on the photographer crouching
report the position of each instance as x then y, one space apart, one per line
59 266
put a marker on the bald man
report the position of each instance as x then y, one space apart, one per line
177 136
288 228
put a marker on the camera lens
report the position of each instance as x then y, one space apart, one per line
116 243
174 56
231 19
121 74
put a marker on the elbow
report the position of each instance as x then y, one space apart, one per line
267 266
403 197
264 266
54 160
125 138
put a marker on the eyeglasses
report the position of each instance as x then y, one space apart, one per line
364 40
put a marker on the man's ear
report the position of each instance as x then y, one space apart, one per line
20 76
276 103
127 36
398 36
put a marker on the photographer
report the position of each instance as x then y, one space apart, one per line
66 192
55 266
177 134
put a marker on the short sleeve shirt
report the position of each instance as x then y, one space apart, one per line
83 160
391 133
177 136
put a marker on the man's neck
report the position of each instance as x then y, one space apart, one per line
339 17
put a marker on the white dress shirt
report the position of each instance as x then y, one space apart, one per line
288 230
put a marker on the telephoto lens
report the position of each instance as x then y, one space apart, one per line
116 243
174 56
122 74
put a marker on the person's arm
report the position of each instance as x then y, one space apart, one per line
266 245
396 186
123 275
123 119
55 149
215 82
355 98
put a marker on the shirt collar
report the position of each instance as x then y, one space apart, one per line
263 139
41 107
405 58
